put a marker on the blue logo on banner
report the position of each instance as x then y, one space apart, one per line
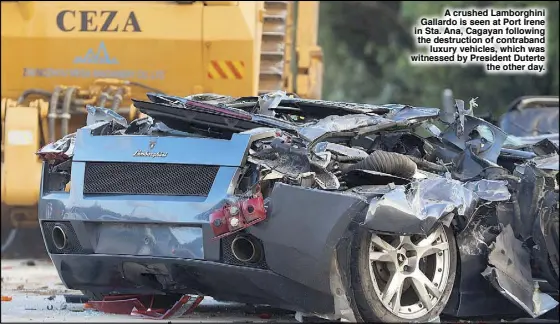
101 56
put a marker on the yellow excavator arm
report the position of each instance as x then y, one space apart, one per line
305 77
59 56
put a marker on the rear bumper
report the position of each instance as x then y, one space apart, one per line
115 252
148 275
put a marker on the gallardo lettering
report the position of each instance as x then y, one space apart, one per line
141 153
97 21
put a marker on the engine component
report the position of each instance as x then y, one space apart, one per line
387 162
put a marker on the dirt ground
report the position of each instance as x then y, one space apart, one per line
37 295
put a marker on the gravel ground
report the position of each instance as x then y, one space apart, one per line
38 296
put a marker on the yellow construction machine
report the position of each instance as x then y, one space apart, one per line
59 56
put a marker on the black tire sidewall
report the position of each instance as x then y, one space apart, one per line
370 307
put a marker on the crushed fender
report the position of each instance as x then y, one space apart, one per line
418 207
510 273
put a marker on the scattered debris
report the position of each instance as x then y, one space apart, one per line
131 305
76 299
30 263
265 316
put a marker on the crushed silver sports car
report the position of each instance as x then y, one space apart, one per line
339 210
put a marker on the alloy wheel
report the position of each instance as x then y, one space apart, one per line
410 273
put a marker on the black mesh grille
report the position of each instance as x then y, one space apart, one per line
228 258
72 246
149 179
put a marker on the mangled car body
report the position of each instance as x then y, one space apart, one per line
340 210
531 116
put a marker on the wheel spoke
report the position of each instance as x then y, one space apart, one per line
429 240
382 256
394 286
424 287
382 244
424 251
396 302
422 294
404 240
405 253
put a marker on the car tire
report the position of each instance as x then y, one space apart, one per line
368 281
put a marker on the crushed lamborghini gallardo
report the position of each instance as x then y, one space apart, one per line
339 210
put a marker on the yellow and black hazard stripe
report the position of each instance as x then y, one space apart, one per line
226 70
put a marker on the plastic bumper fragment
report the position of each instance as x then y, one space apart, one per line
131 305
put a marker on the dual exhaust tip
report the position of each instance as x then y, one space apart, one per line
246 249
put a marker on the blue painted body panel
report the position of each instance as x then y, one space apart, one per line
141 210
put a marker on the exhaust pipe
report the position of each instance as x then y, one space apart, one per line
246 249
60 240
